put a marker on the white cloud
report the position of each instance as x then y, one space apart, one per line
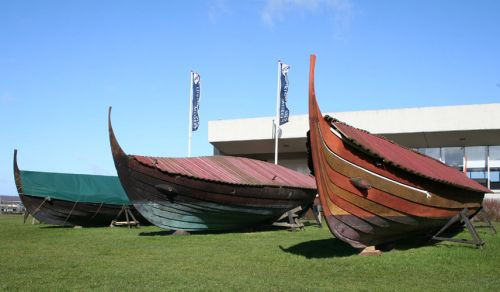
216 9
275 10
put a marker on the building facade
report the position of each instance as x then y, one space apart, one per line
11 204
465 137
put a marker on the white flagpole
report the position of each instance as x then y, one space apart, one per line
277 120
488 167
190 136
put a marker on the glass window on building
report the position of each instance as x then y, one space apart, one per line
494 165
475 164
475 157
479 175
432 152
454 157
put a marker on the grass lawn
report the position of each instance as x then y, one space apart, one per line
35 257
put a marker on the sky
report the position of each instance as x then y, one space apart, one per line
62 63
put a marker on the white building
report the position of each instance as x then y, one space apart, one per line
11 206
467 135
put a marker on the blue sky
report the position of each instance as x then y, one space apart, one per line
62 63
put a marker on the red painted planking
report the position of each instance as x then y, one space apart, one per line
407 159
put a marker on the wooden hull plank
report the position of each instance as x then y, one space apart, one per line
66 213
164 215
394 206
390 200
395 189
239 193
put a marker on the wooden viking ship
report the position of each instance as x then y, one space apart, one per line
374 191
66 199
209 193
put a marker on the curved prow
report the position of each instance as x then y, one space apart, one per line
115 147
314 112
312 64
17 175
119 156
19 187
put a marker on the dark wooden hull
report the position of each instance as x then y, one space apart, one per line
66 213
398 204
182 203
189 204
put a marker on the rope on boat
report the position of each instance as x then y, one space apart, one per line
26 213
19 185
97 212
38 208
67 217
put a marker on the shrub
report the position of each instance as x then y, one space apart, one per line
491 208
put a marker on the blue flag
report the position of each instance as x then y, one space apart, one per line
195 87
284 112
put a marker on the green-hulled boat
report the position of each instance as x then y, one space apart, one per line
209 193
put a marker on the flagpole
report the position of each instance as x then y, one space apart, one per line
277 119
488 167
190 135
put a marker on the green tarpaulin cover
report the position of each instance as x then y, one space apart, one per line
74 187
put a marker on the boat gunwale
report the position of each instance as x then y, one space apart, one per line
124 161
317 160
129 168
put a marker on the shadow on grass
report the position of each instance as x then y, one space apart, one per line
323 248
426 240
157 233
259 229
333 247
78 227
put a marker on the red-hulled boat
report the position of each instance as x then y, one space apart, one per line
374 191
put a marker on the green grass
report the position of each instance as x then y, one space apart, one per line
34 257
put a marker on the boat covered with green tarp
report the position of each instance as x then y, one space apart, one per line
69 199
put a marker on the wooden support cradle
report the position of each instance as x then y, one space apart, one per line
129 217
293 220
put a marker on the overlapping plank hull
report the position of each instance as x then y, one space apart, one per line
397 204
66 213
375 216
181 202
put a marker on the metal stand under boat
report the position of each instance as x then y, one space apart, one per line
463 218
487 221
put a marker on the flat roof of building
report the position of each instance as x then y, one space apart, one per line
440 126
